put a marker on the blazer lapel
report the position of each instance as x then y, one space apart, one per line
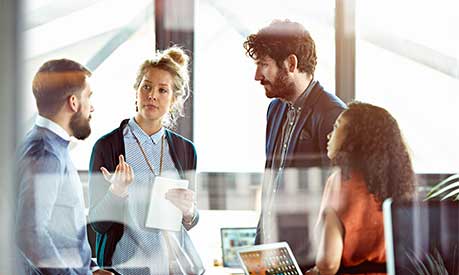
275 128
306 112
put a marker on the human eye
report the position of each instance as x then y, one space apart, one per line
163 90
146 87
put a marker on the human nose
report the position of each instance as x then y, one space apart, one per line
91 109
258 75
152 95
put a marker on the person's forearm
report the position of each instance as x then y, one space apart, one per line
330 250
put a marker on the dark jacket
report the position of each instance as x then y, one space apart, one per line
105 153
308 147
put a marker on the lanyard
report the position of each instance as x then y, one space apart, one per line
145 155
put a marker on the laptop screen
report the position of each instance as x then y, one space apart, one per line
269 259
232 239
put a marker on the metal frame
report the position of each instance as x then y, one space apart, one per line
345 49
9 99
174 25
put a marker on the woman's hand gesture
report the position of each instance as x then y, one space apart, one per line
120 179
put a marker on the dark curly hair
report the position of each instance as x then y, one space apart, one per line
373 145
279 40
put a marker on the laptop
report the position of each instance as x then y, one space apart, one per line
232 239
268 259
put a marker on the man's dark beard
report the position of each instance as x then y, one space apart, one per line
282 87
80 125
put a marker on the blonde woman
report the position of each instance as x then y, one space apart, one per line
130 158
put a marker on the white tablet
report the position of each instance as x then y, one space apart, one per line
268 259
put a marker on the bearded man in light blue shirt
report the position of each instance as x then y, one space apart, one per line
50 219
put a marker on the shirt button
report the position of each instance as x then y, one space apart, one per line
285 145
274 191
291 123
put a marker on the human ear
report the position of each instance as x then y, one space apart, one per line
292 63
73 103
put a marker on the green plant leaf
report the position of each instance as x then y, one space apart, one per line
444 189
440 184
453 193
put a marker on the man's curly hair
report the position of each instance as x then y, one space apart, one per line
279 40
373 145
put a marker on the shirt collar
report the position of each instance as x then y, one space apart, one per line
141 135
52 126
299 102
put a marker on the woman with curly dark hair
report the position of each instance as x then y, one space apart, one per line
366 143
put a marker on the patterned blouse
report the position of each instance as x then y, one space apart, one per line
144 250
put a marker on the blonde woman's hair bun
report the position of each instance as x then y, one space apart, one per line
178 55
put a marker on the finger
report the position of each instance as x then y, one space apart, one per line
121 166
124 174
180 202
121 159
117 169
130 173
190 195
179 191
105 173
183 207
173 194
185 194
117 174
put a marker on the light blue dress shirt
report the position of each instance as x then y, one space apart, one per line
50 219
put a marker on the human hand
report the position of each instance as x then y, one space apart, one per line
102 272
183 199
120 179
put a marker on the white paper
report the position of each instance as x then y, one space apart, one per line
163 214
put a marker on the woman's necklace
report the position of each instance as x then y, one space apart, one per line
145 155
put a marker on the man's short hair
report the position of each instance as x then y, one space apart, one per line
55 81
279 40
